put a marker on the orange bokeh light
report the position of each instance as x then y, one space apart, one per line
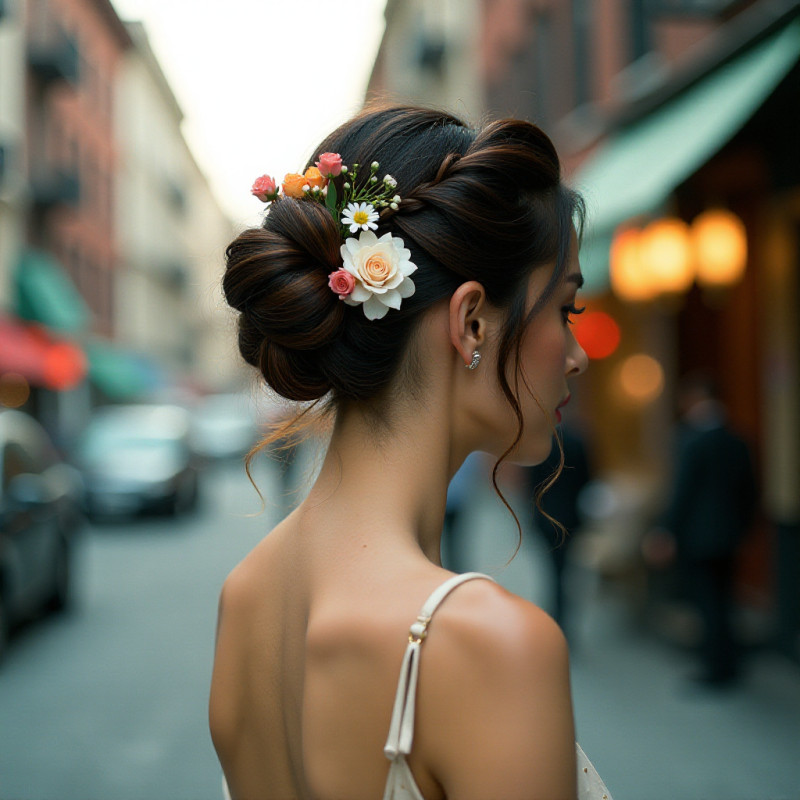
597 333
14 390
720 242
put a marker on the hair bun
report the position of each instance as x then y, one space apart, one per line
277 278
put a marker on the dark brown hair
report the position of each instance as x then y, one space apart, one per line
485 205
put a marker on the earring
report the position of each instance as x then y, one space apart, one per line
476 359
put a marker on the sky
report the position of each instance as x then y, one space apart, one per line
255 83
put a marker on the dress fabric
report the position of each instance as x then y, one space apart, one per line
400 783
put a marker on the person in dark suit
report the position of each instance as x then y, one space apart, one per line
711 508
560 502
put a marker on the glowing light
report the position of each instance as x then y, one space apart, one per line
640 379
14 390
665 253
629 278
597 333
719 239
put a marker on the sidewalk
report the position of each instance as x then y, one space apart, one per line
650 736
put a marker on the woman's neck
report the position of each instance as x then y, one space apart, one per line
391 481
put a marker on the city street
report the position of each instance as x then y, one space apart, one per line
109 701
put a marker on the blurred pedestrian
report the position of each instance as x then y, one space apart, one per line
711 507
559 505
458 494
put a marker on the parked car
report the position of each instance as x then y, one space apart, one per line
40 516
224 426
135 459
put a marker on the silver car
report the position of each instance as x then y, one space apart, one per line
136 459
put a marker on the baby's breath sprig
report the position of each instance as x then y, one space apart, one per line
362 202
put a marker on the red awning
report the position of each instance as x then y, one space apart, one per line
42 359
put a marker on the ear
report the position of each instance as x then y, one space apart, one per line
467 325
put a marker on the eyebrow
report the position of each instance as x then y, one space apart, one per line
576 278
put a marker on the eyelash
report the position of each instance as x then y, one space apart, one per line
570 311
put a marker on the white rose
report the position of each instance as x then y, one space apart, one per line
381 268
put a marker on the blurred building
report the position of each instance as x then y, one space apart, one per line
171 230
679 122
427 55
689 161
110 236
12 134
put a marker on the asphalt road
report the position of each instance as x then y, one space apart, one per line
108 702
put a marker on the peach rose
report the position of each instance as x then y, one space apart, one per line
342 282
315 178
293 184
376 270
330 164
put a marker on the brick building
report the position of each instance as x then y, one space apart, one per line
75 48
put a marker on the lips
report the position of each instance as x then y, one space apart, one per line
560 406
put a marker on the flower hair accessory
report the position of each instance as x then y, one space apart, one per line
375 271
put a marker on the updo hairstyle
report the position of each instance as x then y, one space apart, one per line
485 205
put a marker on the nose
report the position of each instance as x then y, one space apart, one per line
577 360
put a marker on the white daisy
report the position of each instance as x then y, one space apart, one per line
360 216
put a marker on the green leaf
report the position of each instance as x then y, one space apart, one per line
330 199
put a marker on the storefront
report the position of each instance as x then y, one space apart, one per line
50 361
714 155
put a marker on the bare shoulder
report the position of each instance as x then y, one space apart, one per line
240 601
495 709
239 587
243 587
493 627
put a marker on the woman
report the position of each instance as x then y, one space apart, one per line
475 266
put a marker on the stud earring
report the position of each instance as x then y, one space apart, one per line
476 359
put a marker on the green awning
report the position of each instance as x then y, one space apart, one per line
637 169
45 294
121 374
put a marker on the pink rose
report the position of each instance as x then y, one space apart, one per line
342 282
265 188
329 164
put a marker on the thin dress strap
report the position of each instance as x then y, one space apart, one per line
401 729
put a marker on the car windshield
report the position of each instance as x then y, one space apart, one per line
120 441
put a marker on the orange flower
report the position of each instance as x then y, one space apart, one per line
315 178
293 184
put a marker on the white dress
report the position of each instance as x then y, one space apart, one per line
400 785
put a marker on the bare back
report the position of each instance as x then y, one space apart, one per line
310 643
305 673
